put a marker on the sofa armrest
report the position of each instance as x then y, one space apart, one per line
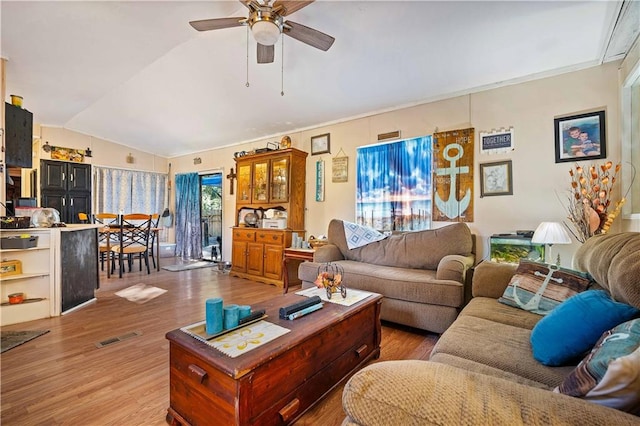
454 267
430 393
327 253
490 279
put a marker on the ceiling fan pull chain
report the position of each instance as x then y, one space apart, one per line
247 84
282 66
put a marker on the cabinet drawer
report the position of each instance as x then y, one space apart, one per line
244 235
270 237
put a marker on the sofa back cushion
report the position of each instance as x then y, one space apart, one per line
416 250
613 260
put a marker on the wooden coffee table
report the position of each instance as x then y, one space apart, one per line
277 382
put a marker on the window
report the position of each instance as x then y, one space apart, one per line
393 185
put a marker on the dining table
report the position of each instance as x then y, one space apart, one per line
106 231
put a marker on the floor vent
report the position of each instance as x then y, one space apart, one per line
112 340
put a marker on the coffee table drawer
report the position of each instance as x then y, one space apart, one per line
293 405
287 372
198 390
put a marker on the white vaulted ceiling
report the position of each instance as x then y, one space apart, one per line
136 73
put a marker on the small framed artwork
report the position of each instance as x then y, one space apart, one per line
496 179
320 144
580 137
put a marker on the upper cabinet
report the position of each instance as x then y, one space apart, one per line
19 136
274 179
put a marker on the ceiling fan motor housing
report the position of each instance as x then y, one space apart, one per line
266 27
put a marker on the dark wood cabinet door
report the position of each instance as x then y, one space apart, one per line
18 137
77 203
79 177
53 176
55 200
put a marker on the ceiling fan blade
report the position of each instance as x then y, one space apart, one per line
265 54
307 35
217 23
290 6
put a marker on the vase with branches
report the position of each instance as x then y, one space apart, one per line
591 210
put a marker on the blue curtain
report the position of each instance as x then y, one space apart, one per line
188 227
393 185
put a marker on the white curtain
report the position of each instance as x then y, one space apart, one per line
129 191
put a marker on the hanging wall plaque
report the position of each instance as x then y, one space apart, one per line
453 176
340 168
320 180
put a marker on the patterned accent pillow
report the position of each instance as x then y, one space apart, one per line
540 287
360 235
610 374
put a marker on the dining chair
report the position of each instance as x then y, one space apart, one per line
83 218
134 239
110 220
155 220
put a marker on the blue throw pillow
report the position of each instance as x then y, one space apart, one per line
575 326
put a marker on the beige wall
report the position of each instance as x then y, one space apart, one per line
540 185
104 153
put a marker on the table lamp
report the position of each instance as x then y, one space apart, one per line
551 233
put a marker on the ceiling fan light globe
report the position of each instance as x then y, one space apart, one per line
265 32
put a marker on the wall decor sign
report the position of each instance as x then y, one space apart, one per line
340 168
320 180
67 154
320 144
496 141
580 137
453 176
496 178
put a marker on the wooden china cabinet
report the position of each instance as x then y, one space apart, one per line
273 180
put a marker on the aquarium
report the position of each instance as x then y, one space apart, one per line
512 248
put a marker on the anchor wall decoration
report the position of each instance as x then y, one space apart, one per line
453 176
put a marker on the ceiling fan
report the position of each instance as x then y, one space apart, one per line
267 23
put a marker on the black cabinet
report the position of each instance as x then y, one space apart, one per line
19 136
66 187
62 176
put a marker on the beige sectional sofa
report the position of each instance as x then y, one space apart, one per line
421 274
482 370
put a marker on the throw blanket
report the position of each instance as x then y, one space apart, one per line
359 235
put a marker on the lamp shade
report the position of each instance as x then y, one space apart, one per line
550 233
265 32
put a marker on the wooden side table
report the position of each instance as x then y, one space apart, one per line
302 255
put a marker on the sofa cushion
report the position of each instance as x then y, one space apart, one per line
540 287
575 326
610 374
416 250
500 346
414 285
613 260
492 310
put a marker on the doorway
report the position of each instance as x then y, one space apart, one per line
211 215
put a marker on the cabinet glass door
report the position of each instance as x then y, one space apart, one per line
260 181
244 183
280 180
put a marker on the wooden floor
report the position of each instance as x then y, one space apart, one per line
62 378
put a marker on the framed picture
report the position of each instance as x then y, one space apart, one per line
580 137
496 179
320 144
340 169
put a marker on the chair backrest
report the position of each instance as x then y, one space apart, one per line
83 218
134 230
105 218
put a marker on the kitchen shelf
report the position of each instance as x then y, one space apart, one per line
25 276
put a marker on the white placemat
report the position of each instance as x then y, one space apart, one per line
353 295
244 339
